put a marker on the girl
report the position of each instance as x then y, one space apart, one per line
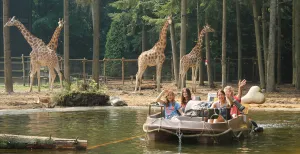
221 103
186 96
170 105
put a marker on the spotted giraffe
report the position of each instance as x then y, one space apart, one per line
41 55
153 57
193 59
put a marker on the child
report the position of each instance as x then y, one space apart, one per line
186 96
170 105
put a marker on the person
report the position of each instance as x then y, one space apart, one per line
186 96
229 92
171 107
220 104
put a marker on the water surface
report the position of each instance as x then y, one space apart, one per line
119 130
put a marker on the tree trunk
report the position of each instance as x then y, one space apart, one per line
38 142
144 38
271 53
7 53
265 36
66 43
201 71
297 43
96 40
183 32
174 53
278 43
239 39
208 57
258 46
293 45
224 80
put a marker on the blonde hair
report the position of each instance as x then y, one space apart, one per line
229 88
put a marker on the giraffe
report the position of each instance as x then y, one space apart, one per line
193 59
53 46
153 57
41 55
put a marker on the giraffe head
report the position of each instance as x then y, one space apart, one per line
208 28
12 22
60 22
169 18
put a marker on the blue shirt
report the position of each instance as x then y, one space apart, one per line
171 110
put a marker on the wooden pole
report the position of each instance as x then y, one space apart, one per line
104 65
10 141
123 70
83 68
23 69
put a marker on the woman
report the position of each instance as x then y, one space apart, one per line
170 105
220 104
186 96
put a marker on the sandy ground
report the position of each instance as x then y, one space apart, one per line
286 98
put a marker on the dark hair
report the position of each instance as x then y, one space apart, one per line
189 97
220 91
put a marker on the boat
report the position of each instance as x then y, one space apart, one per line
194 125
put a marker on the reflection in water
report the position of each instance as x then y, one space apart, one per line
112 128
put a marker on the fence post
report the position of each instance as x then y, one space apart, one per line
123 70
23 69
104 66
253 68
83 68
228 68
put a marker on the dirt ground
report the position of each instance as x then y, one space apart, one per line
286 98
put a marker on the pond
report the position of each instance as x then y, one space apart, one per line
119 130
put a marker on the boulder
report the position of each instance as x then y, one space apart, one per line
254 96
116 101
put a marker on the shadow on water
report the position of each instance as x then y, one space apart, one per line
119 130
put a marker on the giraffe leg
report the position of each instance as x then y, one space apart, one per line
193 78
52 76
60 75
158 76
32 73
39 78
196 75
138 77
182 77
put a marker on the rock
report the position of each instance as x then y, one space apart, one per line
116 101
254 96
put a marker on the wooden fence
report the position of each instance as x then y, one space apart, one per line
21 69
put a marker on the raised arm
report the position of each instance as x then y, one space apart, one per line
158 98
241 84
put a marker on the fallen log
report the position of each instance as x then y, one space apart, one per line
9 141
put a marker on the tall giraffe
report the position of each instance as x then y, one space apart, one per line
41 55
53 46
153 57
193 59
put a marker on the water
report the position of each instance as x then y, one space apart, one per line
119 130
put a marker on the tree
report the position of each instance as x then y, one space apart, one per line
201 68
66 43
7 53
271 52
183 32
208 56
258 46
265 36
297 43
278 42
239 38
96 40
224 80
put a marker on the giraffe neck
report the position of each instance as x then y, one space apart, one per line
31 39
162 42
54 40
197 49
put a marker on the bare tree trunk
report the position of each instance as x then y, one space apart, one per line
239 38
183 31
174 53
201 71
66 43
7 52
224 80
278 43
271 53
265 36
258 46
208 57
297 43
293 45
96 40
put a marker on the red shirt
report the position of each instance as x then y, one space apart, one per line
234 109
